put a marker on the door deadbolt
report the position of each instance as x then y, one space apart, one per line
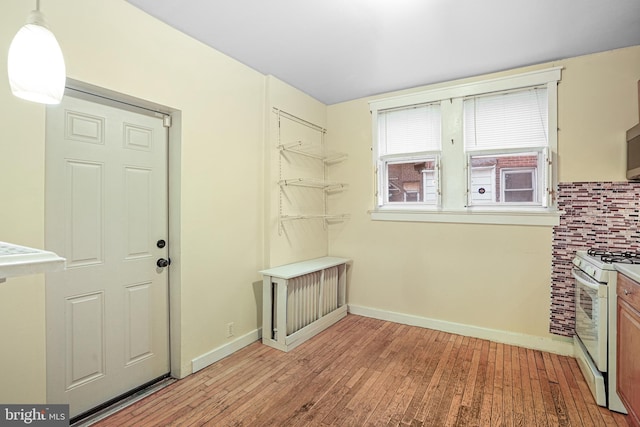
161 244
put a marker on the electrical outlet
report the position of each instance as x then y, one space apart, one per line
229 329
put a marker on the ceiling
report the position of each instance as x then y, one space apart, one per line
338 50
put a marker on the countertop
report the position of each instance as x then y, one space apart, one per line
632 271
18 260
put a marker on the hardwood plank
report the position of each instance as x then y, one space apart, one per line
465 414
328 400
528 402
575 417
381 415
586 415
368 372
438 382
449 396
409 392
600 418
497 413
507 388
463 369
472 417
288 411
429 381
553 417
426 362
549 368
487 398
536 390
620 419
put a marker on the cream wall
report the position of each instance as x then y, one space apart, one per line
486 276
115 46
598 102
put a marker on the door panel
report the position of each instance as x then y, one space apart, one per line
138 343
138 209
106 207
85 339
84 128
85 200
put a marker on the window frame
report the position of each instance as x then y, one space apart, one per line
382 191
542 179
453 181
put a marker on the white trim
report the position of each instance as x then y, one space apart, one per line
454 205
559 345
533 78
470 216
225 350
386 161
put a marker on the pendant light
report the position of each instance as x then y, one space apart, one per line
35 64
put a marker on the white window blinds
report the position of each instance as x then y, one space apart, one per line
507 120
409 130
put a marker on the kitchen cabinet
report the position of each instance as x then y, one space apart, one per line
628 372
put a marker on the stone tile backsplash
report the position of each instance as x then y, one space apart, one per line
595 214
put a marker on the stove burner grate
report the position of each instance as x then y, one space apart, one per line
610 257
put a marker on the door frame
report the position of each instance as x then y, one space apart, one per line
122 101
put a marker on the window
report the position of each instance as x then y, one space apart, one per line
409 150
478 152
511 174
519 185
510 131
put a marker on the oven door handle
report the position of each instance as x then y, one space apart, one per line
588 282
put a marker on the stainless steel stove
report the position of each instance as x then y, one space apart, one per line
595 339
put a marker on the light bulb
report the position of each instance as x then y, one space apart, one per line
35 63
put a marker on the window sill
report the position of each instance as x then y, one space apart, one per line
546 218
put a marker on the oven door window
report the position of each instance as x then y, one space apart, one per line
591 317
586 301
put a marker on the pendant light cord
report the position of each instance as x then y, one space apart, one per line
38 5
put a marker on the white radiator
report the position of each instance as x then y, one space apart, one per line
302 299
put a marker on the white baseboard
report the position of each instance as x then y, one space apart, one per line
225 350
552 344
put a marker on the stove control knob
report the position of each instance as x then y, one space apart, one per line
591 271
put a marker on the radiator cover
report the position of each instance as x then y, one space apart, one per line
302 299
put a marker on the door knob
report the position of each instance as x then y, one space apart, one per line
163 262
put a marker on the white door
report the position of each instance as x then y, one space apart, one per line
106 209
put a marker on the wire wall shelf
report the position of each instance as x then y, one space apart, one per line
316 151
304 149
313 183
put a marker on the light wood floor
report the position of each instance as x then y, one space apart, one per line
363 372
